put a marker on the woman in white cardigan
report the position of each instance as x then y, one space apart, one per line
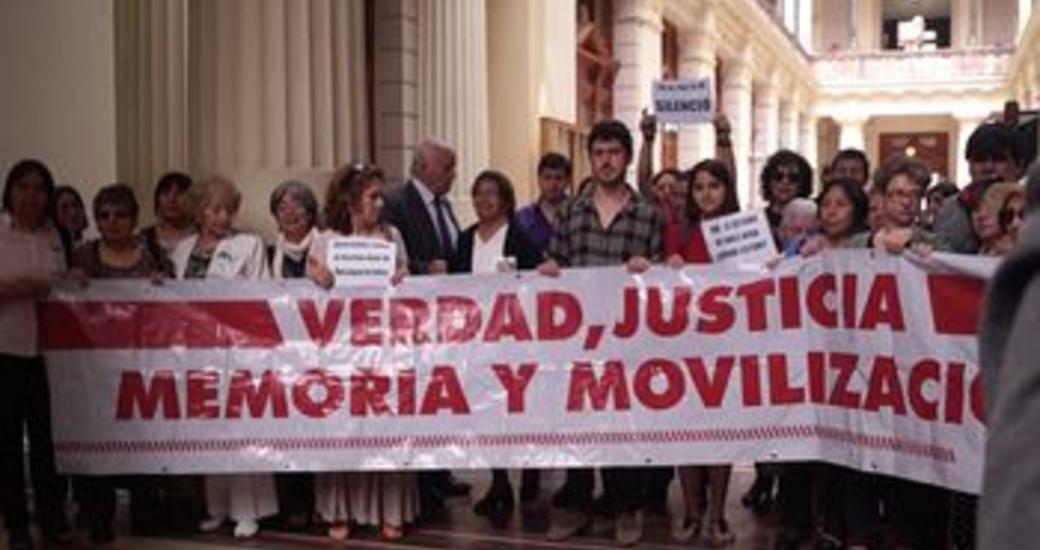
217 252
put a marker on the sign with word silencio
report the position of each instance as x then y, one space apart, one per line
683 101
851 357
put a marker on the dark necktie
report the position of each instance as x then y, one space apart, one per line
442 226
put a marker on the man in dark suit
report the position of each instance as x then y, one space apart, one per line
420 210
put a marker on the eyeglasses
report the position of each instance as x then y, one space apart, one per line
789 175
1008 215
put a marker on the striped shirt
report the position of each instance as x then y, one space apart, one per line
580 240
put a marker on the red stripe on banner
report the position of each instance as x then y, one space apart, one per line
956 303
157 325
376 442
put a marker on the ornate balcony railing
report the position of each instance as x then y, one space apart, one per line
937 68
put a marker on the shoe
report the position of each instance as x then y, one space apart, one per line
628 528
391 532
564 524
717 533
687 529
102 534
20 540
246 529
569 497
496 503
339 532
455 488
209 525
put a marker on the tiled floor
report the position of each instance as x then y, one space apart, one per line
465 530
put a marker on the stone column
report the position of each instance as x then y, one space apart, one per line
766 127
805 24
278 89
736 104
789 129
852 135
1025 10
396 86
807 139
965 126
151 50
697 60
637 46
852 39
453 88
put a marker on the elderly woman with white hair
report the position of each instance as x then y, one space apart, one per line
295 209
217 251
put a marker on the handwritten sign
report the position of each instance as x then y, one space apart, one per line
683 101
743 237
361 261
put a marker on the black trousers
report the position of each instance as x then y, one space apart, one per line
626 487
25 407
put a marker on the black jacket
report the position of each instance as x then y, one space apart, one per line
517 245
404 208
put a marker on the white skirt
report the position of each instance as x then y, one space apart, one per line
367 498
241 497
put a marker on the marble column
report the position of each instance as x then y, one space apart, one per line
805 25
736 104
396 86
852 133
965 126
453 88
789 128
637 46
151 50
766 126
807 139
697 60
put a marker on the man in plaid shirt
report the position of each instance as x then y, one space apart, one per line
607 224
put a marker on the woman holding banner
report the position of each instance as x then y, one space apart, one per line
218 252
117 254
33 257
388 500
496 244
712 193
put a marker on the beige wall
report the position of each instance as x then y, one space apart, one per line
57 102
531 75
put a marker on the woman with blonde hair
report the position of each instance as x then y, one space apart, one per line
217 251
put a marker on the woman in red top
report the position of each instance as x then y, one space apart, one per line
712 193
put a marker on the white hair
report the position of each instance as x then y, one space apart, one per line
798 207
423 150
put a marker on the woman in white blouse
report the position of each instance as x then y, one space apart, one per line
218 252
30 258
388 500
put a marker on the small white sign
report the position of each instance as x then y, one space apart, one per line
361 261
743 237
684 101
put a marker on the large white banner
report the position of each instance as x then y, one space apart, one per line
862 360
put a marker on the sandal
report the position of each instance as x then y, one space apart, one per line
391 532
688 529
718 533
339 531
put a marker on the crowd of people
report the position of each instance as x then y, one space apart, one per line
606 222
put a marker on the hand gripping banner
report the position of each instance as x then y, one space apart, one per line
853 358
